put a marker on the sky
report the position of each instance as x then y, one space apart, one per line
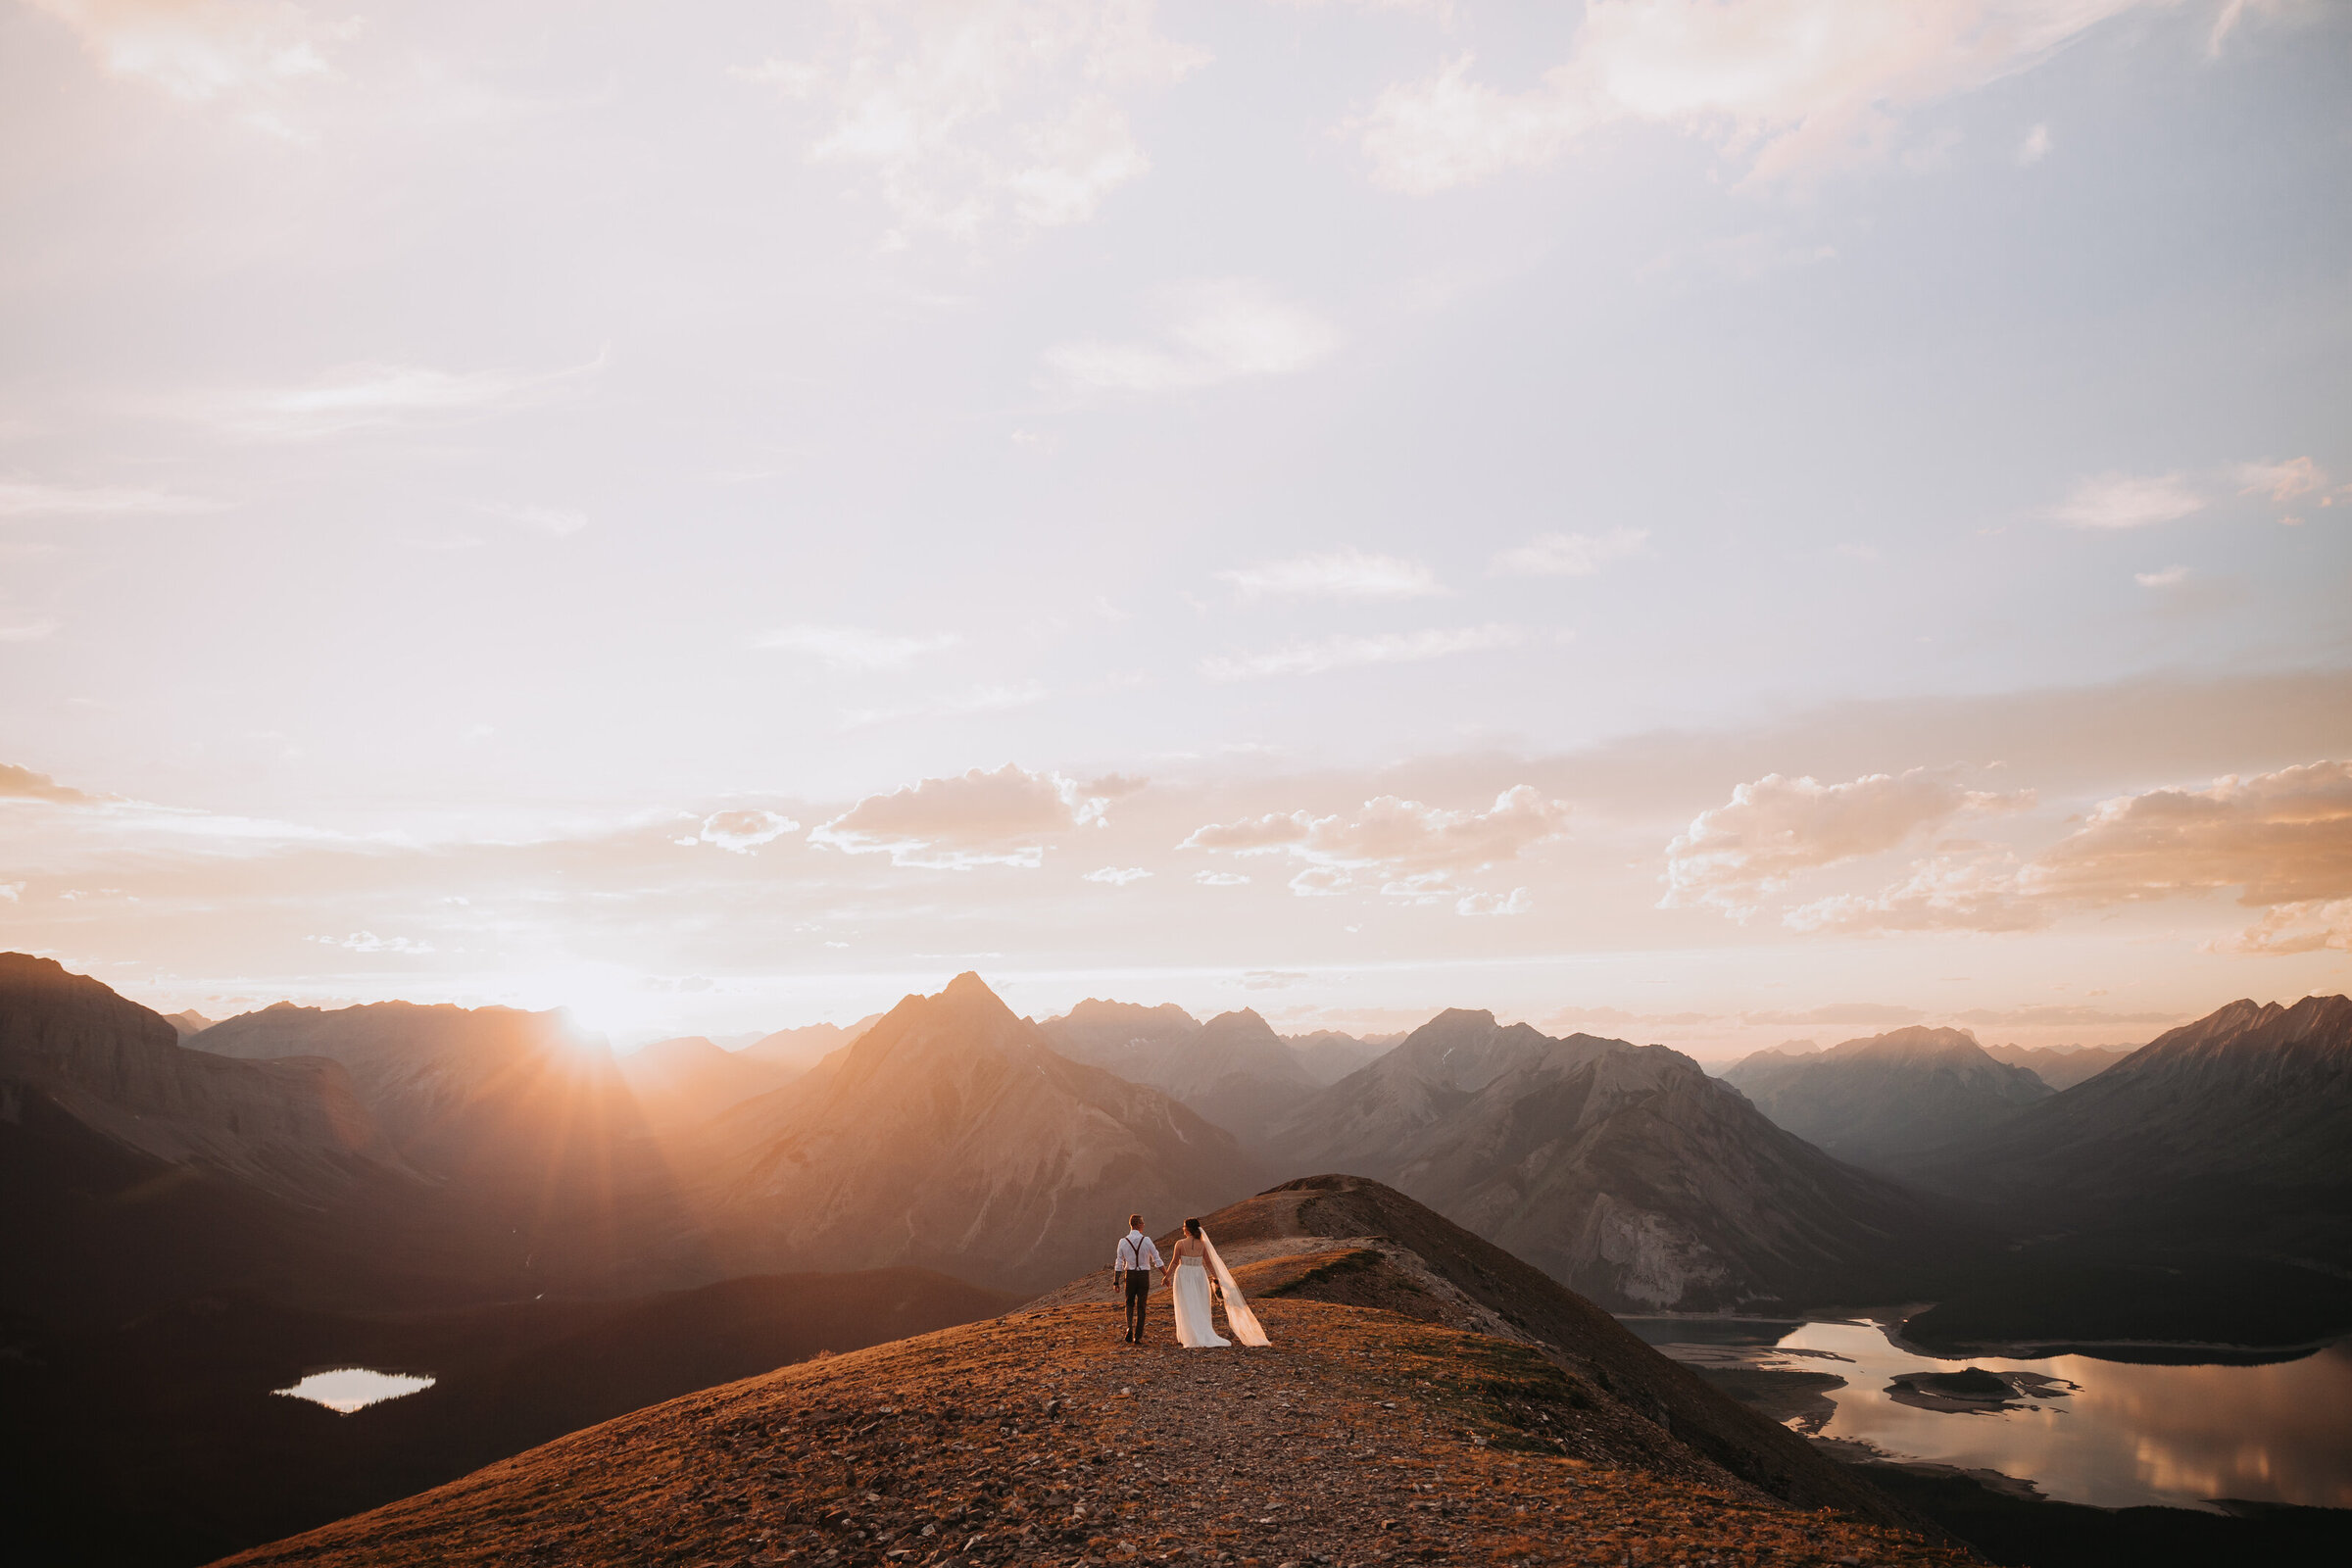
1711 521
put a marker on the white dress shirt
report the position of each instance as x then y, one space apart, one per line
1137 1252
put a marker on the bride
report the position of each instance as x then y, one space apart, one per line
1193 1260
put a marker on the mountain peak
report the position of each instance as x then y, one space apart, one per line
968 990
1240 1021
1918 1041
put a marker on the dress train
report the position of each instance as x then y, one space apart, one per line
1195 1326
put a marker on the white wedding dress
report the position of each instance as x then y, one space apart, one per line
1195 1328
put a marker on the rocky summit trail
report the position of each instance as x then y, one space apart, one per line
1360 1436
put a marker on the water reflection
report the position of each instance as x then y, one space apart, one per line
353 1388
2123 1434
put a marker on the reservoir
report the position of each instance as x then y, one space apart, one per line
2083 1429
353 1388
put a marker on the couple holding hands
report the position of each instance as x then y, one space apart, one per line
1187 1274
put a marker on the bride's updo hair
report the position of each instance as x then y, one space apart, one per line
1192 1228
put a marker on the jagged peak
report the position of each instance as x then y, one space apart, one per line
968 986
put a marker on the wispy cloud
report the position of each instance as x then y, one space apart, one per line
1336 575
2127 501
1118 876
2282 482
370 942
24 498
1221 330
1794 88
555 521
854 647
1570 555
967 114
996 699
26 632
203 51
1349 653
2169 577
369 395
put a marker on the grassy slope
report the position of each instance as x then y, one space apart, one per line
1041 1436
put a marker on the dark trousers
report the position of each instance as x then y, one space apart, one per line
1139 1294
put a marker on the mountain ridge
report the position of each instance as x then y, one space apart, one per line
1008 1161
1623 1170
1868 1099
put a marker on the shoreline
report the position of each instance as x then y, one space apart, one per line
1892 1323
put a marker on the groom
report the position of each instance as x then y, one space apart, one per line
1132 1269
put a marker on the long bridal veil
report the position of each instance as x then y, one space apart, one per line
1238 1316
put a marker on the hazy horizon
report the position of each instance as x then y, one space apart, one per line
1608 513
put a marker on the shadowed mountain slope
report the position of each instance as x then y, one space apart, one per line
136 1171
452 1086
1361 1435
2197 1192
289 1127
1867 1101
2242 1116
526 1126
1624 1171
1233 1069
139 1171
952 1135
159 1442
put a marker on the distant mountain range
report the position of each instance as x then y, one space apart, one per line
681 1083
1869 1100
799 1049
952 1134
2230 1122
490 1151
2061 1066
1233 1069
294 1128
1623 1170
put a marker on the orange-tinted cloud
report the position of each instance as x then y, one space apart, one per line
24 784
974 819
1735 854
1403 847
2283 839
